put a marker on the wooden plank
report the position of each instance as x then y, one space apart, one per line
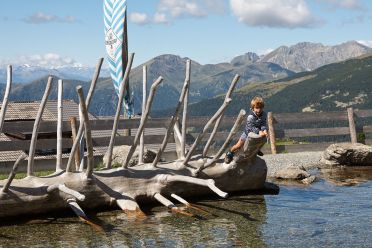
201 121
67 143
311 132
363 113
367 129
51 126
310 117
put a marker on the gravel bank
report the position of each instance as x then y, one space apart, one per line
280 161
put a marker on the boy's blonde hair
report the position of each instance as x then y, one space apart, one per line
257 101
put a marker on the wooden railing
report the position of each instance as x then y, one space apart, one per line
275 121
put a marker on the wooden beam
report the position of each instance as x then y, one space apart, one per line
350 116
270 121
6 96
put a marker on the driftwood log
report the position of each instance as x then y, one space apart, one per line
127 187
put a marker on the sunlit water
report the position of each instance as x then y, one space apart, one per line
321 215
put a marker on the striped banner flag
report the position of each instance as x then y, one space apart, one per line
116 41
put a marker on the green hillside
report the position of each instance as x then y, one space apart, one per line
329 88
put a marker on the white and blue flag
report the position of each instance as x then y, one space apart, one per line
116 41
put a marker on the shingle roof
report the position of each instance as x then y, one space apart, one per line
28 111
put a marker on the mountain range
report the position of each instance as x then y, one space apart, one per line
207 81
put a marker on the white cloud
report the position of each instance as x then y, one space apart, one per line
160 18
40 17
274 13
139 18
367 43
49 60
348 4
178 8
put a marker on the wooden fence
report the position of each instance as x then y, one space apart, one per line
47 139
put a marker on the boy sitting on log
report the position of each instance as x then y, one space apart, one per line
256 123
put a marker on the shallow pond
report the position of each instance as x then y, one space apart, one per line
325 214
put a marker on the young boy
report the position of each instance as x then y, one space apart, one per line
256 123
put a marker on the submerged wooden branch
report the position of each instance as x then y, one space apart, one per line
13 173
206 127
59 126
144 97
171 124
228 95
30 165
185 106
231 135
81 126
143 121
164 201
88 132
6 96
123 86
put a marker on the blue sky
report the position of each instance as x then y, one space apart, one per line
56 32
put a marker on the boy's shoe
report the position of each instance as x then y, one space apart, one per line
259 153
229 157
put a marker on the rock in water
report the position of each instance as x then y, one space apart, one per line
292 173
347 154
120 153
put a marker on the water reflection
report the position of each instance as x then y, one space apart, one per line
231 223
324 214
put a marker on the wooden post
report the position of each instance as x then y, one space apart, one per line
144 96
231 135
217 124
270 122
199 138
185 105
74 134
350 116
31 153
6 96
118 110
13 173
143 121
171 125
59 126
88 132
81 126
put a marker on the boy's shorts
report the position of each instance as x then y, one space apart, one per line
243 136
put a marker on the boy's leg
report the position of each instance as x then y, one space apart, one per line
230 154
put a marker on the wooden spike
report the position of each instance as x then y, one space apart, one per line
82 216
66 190
206 127
165 178
13 173
185 107
213 134
143 121
177 138
187 204
74 134
88 132
30 165
231 135
6 96
59 126
171 124
144 97
81 126
170 205
123 86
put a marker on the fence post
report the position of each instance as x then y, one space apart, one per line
350 116
270 120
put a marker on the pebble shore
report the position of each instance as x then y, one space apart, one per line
277 162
